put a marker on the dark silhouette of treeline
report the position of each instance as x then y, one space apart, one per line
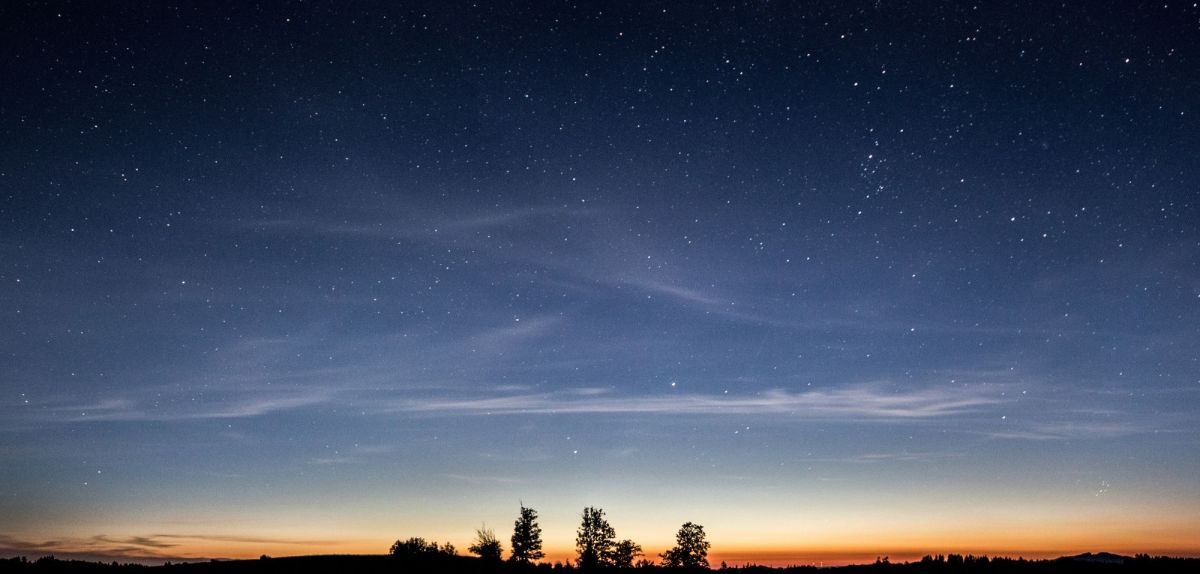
437 564
595 541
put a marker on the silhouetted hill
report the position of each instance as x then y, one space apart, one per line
384 564
1101 557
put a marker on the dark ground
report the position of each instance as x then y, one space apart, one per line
383 564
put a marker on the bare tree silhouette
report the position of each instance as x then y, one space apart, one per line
486 545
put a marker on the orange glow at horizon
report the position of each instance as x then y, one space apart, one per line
734 555
823 537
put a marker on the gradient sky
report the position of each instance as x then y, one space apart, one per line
835 281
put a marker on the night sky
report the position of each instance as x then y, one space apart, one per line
834 280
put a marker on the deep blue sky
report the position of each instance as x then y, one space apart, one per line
829 279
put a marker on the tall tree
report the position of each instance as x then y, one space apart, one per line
625 552
526 537
691 549
595 539
486 545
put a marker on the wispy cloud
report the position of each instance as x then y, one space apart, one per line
602 255
708 301
585 263
852 403
415 223
849 402
675 291
359 454
483 479
1069 430
239 405
144 541
333 460
246 539
507 337
886 457
151 547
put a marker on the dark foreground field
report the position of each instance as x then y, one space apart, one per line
384 564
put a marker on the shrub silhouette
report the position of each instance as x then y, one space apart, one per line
486 545
418 547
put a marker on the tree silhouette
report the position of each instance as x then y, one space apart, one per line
416 546
486 545
691 549
526 537
595 539
625 552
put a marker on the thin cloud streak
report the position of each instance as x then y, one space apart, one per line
590 267
851 403
415 224
1069 431
126 410
483 479
145 547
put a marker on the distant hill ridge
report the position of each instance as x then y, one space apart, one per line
1100 557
